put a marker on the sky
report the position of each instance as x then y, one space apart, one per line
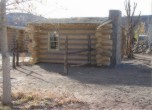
89 8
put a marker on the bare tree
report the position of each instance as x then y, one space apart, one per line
4 44
28 6
5 54
131 26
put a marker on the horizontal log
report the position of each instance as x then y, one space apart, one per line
70 42
63 26
105 48
62 46
69 62
102 36
108 26
69 36
78 43
107 32
63 51
103 64
70 57
104 30
102 61
98 34
101 43
67 32
69 47
102 58
78 36
104 53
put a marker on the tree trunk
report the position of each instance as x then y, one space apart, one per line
130 44
5 55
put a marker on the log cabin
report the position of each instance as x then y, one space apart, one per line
81 40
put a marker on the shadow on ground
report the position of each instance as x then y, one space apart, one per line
124 74
32 73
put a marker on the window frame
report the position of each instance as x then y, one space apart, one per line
49 41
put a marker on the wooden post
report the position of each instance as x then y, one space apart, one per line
13 53
66 56
115 16
17 53
89 49
13 60
17 49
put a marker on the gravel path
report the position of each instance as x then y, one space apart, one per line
127 86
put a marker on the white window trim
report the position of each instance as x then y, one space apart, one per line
49 49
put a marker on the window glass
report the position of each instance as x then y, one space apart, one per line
54 41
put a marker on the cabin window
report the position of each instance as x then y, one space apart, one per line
53 41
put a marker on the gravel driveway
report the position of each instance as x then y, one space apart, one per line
127 86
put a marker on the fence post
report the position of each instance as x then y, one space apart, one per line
14 51
17 53
89 49
66 56
115 16
17 49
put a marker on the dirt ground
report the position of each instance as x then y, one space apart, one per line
127 86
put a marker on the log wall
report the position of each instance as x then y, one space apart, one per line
104 45
13 35
77 40
34 47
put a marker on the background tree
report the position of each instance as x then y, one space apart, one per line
149 39
140 29
132 23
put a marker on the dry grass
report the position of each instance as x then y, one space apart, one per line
43 100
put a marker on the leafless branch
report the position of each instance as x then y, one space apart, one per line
17 2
